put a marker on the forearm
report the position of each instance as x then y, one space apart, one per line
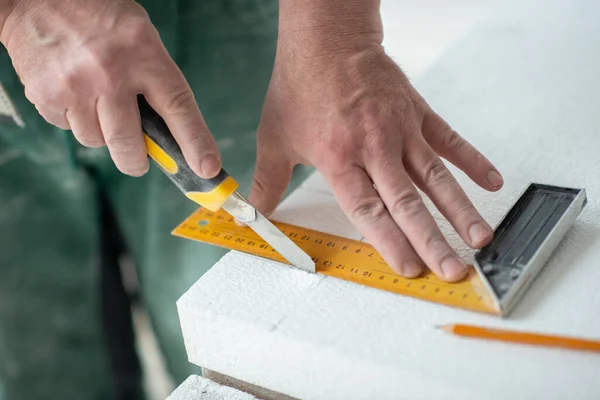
330 24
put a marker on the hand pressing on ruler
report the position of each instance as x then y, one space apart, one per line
83 63
338 102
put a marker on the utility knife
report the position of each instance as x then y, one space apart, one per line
212 194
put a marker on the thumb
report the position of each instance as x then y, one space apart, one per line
271 178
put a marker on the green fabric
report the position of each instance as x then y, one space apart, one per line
51 341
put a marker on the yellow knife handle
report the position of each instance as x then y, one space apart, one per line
166 153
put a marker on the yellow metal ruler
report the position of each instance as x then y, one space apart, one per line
340 258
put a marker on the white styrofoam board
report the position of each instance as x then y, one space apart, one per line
199 388
418 32
523 89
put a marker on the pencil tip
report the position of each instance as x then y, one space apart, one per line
445 328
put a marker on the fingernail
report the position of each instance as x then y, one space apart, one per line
478 233
494 179
140 171
412 269
239 223
210 166
453 268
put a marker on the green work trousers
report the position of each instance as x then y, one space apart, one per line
67 216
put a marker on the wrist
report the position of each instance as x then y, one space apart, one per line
326 27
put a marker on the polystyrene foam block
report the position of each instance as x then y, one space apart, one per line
199 388
523 88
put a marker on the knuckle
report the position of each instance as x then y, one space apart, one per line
89 140
258 183
334 159
371 122
180 102
34 95
102 63
261 184
198 144
333 146
70 78
41 95
122 143
462 207
453 140
335 151
195 143
436 173
368 210
375 136
436 243
408 204
477 156
138 31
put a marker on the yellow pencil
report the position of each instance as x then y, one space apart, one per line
522 337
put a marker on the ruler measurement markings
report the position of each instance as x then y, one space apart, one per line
329 243
440 284
337 257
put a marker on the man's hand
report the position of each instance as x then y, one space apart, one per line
338 102
83 63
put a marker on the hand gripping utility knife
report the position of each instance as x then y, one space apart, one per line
212 194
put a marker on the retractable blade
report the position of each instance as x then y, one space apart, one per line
240 208
212 194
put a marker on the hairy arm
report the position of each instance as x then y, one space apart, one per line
336 25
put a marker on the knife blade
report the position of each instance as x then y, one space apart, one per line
212 194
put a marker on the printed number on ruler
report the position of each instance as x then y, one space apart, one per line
338 257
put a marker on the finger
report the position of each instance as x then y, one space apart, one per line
430 174
450 145
85 125
120 122
272 176
366 210
169 94
412 216
56 118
